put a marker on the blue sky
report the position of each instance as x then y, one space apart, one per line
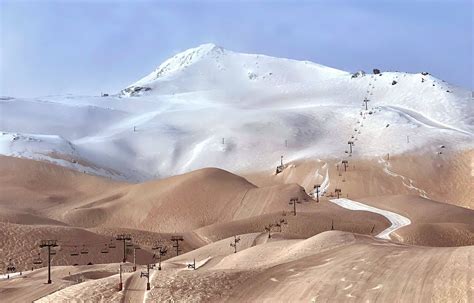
88 47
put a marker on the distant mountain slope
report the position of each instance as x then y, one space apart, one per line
209 67
211 107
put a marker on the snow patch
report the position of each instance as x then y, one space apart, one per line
397 221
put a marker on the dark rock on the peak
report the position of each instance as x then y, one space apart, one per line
358 74
135 90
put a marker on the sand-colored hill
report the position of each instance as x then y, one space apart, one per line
35 185
332 266
204 206
436 234
20 243
433 223
182 203
442 177
305 261
422 210
175 204
32 284
311 220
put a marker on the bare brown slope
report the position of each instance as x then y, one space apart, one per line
183 203
371 271
31 286
311 218
331 266
35 192
436 234
20 243
446 177
433 223
34 187
179 203
422 210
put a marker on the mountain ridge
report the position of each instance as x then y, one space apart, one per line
239 112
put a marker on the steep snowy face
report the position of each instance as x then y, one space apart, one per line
183 60
210 67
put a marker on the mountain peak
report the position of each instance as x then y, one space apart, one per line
208 48
181 61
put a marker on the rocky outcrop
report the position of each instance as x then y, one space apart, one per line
358 74
134 90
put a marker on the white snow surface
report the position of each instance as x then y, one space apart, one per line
397 220
10 275
255 102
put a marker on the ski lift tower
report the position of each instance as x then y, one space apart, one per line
48 244
177 239
366 101
316 189
351 143
147 276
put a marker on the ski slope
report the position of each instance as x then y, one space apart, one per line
397 221
209 106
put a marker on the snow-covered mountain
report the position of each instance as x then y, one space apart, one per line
209 106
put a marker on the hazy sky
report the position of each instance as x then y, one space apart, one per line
88 47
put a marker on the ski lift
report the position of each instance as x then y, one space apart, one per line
10 266
105 250
163 250
157 246
74 252
38 260
53 252
112 244
84 250
129 244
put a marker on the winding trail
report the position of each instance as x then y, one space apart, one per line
407 182
420 119
397 220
